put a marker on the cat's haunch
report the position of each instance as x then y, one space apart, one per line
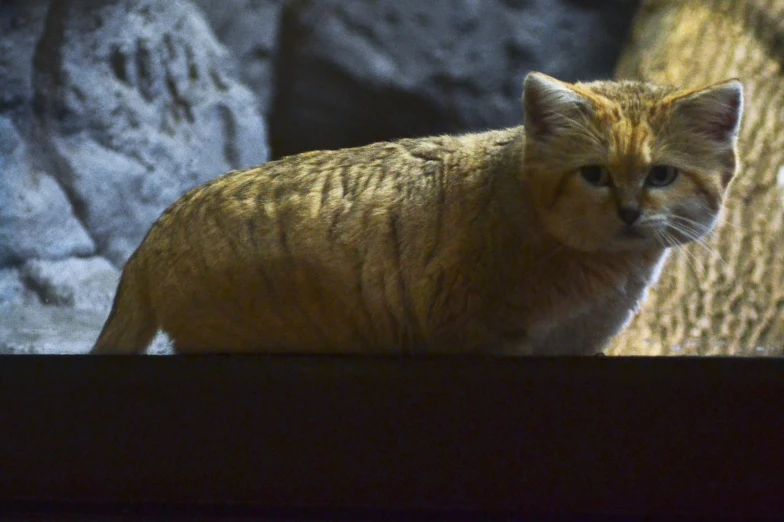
540 239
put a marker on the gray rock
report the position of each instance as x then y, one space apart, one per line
352 71
54 330
138 104
36 218
21 24
48 330
13 290
84 284
249 29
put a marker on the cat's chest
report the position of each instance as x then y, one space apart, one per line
594 316
562 289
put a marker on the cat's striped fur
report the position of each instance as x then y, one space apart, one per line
492 242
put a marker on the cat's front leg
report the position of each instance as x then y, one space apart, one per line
591 330
586 334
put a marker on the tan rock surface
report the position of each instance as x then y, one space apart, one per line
725 297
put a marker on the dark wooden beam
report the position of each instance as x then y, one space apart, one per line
655 436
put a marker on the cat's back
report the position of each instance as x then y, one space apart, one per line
321 238
334 194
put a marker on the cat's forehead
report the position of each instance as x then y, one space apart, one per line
630 113
629 99
627 92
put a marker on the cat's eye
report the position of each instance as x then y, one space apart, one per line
595 175
661 175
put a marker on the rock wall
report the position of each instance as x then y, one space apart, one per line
354 71
111 109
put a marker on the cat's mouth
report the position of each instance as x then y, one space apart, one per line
631 232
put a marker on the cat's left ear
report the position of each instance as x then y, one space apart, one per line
551 106
714 111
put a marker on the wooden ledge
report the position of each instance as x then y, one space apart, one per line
605 435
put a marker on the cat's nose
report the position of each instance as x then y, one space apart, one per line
629 214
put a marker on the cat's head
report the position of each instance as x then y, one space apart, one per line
627 165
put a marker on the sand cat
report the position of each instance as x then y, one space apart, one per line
540 239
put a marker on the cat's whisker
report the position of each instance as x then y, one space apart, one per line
692 235
697 230
669 240
666 240
727 223
691 259
696 225
660 239
723 222
702 243
695 261
687 228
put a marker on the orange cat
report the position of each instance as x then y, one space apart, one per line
538 240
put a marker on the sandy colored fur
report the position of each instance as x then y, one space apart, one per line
227 255
484 242
351 257
131 322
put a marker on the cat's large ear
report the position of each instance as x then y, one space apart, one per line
714 111
550 106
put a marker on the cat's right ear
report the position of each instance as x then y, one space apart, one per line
550 105
714 111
